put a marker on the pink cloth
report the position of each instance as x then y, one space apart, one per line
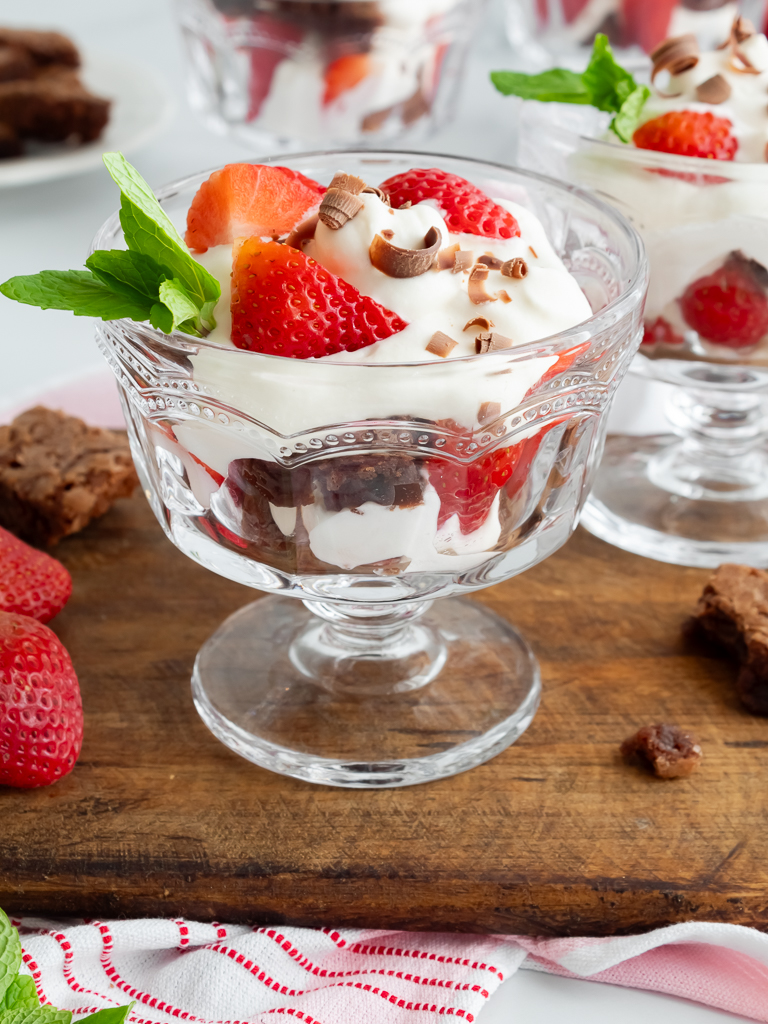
232 974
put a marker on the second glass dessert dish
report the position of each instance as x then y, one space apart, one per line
368 490
693 178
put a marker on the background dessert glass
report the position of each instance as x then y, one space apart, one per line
540 30
698 496
281 72
318 480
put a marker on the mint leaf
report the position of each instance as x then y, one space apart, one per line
10 953
36 1015
79 291
172 294
556 86
21 994
148 230
628 117
604 84
110 1015
128 273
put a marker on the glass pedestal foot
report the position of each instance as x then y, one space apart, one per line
650 497
366 696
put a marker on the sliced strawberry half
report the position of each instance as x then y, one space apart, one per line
729 307
286 304
242 200
344 74
470 490
464 206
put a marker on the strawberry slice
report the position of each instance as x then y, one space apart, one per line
286 304
661 332
564 361
470 490
345 73
729 307
688 133
465 208
248 199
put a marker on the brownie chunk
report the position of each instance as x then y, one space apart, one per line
667 750
733 611
43 47
57 474
52 107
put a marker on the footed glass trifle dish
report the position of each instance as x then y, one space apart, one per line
403 453
693 179
345 72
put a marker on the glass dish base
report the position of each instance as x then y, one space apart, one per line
399 696
647 500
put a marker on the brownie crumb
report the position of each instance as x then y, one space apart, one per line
733 611
57 474
667 750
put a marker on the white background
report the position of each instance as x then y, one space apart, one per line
50 225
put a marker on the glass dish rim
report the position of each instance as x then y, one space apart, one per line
547 346
739 169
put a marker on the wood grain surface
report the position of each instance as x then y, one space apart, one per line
556 836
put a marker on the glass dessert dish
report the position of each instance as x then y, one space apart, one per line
697 495
358 493
282 72
564 29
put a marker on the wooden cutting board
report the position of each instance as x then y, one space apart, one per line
556 836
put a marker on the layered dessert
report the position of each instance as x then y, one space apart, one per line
318 71
356 402
705 229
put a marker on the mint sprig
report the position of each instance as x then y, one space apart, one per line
154 279
604 84
19 1003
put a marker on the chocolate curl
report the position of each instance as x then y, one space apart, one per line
441 344
491 261
373 190
396 262
715 90
476 285
492 342
516 268
479 321
741 29
676 55
303 232
504 296
341 201
446 257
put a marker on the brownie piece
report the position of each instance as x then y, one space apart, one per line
57 474
10 143
43 47
15 62
667 750
733 611
52 107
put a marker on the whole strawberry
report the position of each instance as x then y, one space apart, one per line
41 715
31 582
729 307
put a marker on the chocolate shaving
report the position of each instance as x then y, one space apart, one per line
535 256
488 412
758 273
303 232
445 258
396 262
492 342
441 344
504 296
715 90
375 120
479 321
476 285
490 261
462 260
388 233
675 55
516 268
373 190
741 29
338 207
406 206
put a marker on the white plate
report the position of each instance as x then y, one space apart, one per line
141 107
